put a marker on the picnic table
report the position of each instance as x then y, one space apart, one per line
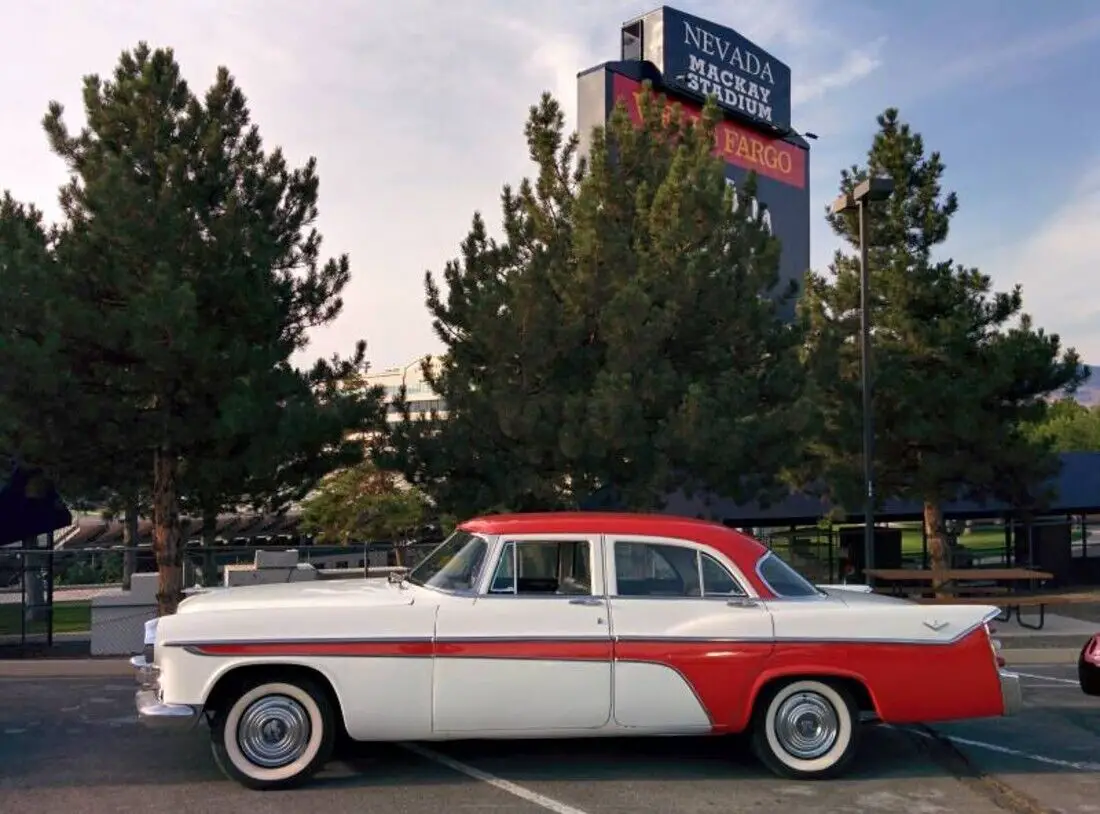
949 578
959 586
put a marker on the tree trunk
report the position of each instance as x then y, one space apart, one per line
166 532
937 541
209 540
129 541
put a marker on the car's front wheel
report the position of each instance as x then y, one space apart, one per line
806 729
274 734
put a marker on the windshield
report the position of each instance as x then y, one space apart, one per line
454 565
782 579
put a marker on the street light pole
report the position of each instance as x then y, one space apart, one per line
867 387
872 189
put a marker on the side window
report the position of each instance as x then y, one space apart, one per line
717 581
784 580
529 567
653 569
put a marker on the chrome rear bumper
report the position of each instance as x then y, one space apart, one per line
151 710
1012 696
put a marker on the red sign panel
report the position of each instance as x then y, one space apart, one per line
735 144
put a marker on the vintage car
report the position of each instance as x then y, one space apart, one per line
1088 666
565 625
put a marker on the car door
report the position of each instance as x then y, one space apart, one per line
689 634
532 651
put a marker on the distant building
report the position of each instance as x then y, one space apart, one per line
422 399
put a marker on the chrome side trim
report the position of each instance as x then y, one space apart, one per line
855 588
990 616
691 598
522 597
833 640
279 640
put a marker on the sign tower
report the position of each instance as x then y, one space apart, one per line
688 59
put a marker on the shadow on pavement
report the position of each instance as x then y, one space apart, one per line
124 754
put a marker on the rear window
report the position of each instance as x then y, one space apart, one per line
784 580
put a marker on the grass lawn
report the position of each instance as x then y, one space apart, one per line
68 617
980 539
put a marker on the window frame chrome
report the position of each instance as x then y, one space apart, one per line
611 575
489 541
817 596
597 589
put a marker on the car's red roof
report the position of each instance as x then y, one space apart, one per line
740 548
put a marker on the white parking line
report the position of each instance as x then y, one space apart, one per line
1004 750
549 803
1072 681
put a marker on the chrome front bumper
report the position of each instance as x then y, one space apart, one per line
151 710
1012 695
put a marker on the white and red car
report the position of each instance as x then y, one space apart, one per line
566 625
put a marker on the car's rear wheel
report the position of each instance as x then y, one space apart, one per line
274 734
806 729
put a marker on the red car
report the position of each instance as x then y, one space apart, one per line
1088 666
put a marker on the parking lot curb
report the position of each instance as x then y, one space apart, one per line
1041 655
65 668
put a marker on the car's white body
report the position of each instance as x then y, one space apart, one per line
428 695
401 661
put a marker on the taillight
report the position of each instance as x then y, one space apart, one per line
994 645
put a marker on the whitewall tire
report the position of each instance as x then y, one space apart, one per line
806 729
274 734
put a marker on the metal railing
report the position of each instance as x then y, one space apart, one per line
46 595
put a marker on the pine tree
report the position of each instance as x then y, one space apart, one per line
958 368
623 333
186 273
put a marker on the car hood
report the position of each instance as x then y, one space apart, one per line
329 593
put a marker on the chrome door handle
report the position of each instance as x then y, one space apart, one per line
586 600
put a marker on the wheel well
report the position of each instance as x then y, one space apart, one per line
856 688
233 681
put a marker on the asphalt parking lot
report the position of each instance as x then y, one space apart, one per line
73 746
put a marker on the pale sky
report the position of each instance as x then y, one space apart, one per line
415 111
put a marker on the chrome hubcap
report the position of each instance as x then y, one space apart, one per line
806 725
274 731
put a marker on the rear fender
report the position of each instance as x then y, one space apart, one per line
917 663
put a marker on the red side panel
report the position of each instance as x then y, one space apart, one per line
908 683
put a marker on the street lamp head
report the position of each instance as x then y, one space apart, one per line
876 188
